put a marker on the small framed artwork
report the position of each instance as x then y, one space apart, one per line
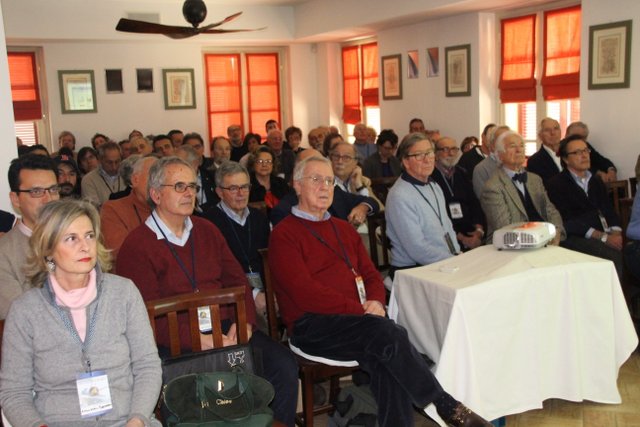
178 89
392 77
412 64
458 70
610 55
114 81
433 62
144 77
77 91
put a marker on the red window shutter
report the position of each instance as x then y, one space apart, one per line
561 75
24 86
517 82
224 96
263 89
370 97
351 85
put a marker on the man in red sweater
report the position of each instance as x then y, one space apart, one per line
331 298
173 253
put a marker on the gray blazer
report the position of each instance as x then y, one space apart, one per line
502 204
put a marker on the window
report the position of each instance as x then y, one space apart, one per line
232 76
360 86
25 92
525 97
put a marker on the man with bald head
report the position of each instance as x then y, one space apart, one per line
463 206
285 157
545 162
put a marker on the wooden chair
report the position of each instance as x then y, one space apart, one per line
381 186
617 190
172 306
377 225
310 372
633 184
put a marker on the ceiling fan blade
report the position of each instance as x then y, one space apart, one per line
133 26
216 31
224 21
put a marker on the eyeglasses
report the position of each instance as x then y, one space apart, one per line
453 150
580 152
38 192
317 180
264 161
421 156
181 187
338 157
236 188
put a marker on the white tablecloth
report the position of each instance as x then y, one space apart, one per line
509 329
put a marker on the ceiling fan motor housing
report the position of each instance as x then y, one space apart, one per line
194 11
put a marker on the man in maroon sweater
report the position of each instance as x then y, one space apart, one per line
331 298
172 253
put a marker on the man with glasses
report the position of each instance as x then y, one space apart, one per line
33 183
346 170
383 163
105 180
463 206
418 224
175 253
592 225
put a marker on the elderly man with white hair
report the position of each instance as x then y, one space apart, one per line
514 195
483 170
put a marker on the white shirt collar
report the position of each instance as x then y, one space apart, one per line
158 226
295 211
23 228
554 156
240 219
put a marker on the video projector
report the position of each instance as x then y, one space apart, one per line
524 235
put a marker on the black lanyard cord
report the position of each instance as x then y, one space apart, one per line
192 278
344 256
235 233
437 212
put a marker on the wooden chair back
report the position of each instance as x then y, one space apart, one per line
273 323
617 190
633 184
171 307
381 186
377 225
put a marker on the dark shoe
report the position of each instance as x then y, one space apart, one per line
465 417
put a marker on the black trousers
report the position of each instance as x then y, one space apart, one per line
596 248
632 257
399 375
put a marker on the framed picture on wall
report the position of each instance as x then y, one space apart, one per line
392 77
433 62
178 89
144 78
77 91
458 70
412 64
610 55
114 81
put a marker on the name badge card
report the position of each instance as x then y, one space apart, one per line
93 393
362 293
456 210
204 319
255 281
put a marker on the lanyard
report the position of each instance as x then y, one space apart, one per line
344 257
437 212
235 233
449 184
192 278
107 184
135 208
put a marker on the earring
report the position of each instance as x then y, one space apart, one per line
51 266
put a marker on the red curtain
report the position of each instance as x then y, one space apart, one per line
561 75
370 97
224 96
517 82
351 85
263 89
24 86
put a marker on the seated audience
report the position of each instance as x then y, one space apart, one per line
119 217
126 170
348 174
471 158
463 206
266 185
135 133
252 141
353 208
175 253
206 196
483 170
100 183
141 145
632 249
418 225
361 143
176 137
514 195
197 143
600 165
163 146
339 311
66 139
125 148
33 184
330 140
80 332
238 146
315 140
383 163
220 151
68 177
41 150
417 125
293 137
245 229
592 225
98 139
286 158
468 144
87 160
545 162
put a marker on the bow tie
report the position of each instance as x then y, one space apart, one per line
522 177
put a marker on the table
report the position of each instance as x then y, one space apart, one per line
509 329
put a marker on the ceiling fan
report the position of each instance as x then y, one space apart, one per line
194 11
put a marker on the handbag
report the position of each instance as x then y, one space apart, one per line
217 399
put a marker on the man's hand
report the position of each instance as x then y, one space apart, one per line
231 338
373 307
615 241
556 240
356 179
472 241
608 176
261 303
135 422
358 215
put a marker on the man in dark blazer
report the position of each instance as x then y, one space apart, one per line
471 158
592 225
600 165
513 195
545 162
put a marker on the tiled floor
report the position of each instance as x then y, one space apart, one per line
561 413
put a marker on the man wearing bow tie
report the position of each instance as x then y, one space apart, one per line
514 195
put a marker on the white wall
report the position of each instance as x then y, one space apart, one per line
613 114
8 148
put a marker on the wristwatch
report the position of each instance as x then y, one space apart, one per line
603 237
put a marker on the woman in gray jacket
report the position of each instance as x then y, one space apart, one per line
78 349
